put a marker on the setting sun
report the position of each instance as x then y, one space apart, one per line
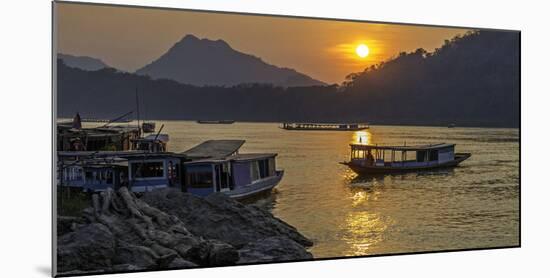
362 50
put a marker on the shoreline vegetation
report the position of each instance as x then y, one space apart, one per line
169 229
471 80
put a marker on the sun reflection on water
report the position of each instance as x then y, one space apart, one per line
359 197
365 227
362 137
364 230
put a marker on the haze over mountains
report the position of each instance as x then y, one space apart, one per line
82 62
471 80
204 62
214 63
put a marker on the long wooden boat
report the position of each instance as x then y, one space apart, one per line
374 159
325 126
216 122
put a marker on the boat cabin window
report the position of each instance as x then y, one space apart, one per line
149 145
148 169
271 167
261 169
199 176
99 176
72 174
223 173
264 168
223 177
173 172
254 171
433 155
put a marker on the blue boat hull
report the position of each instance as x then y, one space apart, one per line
256 189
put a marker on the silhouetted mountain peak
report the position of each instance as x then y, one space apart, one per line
194 42
189 38
213 62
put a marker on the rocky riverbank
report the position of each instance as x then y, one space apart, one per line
168 229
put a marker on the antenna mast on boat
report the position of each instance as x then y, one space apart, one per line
158 133
116 119
137 109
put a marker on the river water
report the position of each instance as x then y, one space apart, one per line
472 206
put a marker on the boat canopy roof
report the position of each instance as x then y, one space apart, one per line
214 149
251 156
403 148
129 155
238 157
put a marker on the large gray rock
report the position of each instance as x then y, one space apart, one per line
219 217
139 256
219 253
169 229
121 232
90 247
66 224
273 249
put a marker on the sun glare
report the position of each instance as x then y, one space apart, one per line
362 50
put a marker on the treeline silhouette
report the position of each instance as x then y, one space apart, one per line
472 80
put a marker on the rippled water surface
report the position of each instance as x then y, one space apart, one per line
471 206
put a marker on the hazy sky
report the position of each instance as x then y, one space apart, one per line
129 38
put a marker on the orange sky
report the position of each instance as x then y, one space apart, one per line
129 38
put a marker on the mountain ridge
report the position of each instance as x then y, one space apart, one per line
208 62
471 80
82 62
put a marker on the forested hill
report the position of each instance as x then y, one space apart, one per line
471 80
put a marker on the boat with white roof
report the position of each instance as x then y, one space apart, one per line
375 159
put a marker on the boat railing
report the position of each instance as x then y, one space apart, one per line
405 144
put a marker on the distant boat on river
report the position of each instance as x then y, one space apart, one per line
325 126
374 159
215 121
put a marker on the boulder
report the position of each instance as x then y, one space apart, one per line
123 233
222 218
168 229
139 256
90 247
273 249
219 253
66 224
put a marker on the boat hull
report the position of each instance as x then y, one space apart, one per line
373 170
256 189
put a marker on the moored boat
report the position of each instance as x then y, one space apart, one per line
374 159
217 166
213 166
